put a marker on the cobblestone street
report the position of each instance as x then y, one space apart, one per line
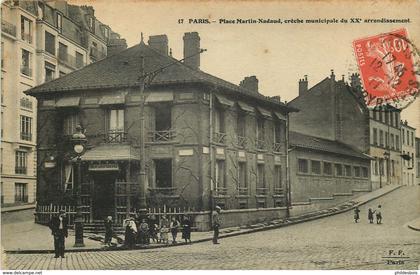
335 242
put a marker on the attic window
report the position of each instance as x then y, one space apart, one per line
125 62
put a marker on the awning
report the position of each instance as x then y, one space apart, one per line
112 100
245 107
113 152
160 97
263 112
224 101
280 116
68 102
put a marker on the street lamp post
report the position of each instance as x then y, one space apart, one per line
78 140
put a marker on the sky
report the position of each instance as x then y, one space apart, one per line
278 54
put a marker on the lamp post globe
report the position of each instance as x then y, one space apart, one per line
78 140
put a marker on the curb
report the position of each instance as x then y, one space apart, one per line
5 210
227 235
413 228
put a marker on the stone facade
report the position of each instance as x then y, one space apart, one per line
40 42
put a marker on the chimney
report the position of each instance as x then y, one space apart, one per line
332 76
192 47
250 83
159 43
115 46
355 81
303 85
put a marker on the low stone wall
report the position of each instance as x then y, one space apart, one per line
316 204
239 217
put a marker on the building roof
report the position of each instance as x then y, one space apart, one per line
320 144
122 70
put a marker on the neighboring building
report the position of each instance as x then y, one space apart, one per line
418 160
385 147
330 142
199 129
325 170
40 41
409 158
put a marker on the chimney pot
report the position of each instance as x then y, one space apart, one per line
303 85
159 43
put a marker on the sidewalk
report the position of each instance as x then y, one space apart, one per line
17 208
34 243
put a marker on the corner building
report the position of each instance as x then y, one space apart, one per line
208 141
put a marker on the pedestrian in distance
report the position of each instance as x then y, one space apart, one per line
59 229
186 229
216 224
370 215
108 230
379 215
164 230
174 229
356 214
144 232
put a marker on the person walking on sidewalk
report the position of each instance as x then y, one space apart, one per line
356 214
379 215
174 229
216 224
370 215
186 229
59 229
108 230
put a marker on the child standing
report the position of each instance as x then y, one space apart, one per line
370 215
164 230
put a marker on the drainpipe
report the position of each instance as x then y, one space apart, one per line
211 202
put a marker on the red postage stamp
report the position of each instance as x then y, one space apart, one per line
388 69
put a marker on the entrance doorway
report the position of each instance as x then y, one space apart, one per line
103 195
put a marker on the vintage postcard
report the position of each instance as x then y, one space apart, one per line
210 135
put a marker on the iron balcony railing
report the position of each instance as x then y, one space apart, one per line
166 191
162 136
220 137
8 28
277 147
21 170
115 136
241 141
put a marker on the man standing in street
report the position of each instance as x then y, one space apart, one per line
58 226
216 224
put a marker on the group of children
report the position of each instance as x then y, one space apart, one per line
157 231
370 215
